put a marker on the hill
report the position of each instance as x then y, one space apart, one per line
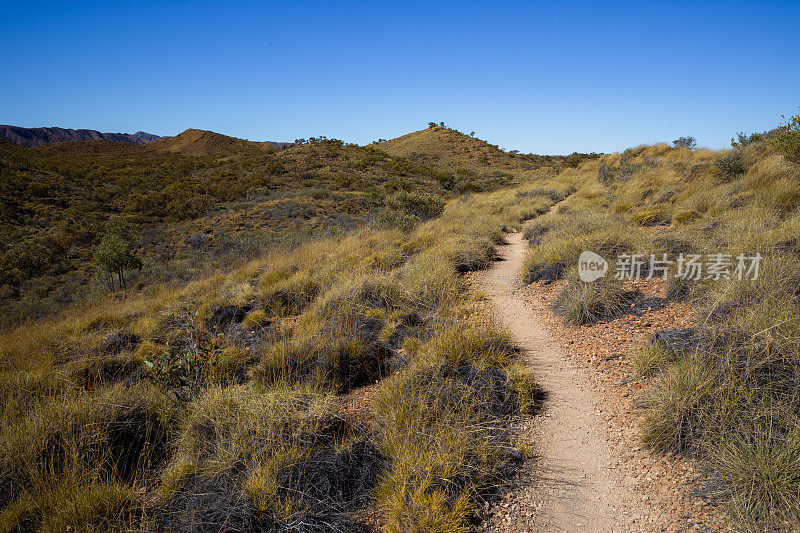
40 136
238 402
273 283
450 150
712 348
187 202
194 142
314 355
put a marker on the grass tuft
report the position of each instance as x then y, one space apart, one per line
581 303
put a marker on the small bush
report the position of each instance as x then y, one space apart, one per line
743 140
787 139
605 174
730 166
390 218
190 363
404 209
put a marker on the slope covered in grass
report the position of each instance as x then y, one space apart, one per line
467 156
727 394
194 142
218 405
187 204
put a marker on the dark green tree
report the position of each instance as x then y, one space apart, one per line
685 142
114 256
25 260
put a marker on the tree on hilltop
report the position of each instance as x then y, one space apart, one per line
685 142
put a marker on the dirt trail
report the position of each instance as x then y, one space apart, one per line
575 486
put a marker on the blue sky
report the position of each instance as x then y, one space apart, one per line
538 77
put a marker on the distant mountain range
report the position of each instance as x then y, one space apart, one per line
40 136
194 141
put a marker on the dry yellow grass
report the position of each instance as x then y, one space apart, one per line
730 399
308 321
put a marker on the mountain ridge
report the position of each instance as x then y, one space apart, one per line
30 137
194 141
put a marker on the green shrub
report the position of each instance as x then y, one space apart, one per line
391 218
552 194
23 261
787 138
421 205
730 166
743 140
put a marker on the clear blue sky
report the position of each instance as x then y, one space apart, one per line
544 78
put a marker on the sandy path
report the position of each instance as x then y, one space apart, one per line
575 486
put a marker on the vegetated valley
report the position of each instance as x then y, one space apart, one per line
209 334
